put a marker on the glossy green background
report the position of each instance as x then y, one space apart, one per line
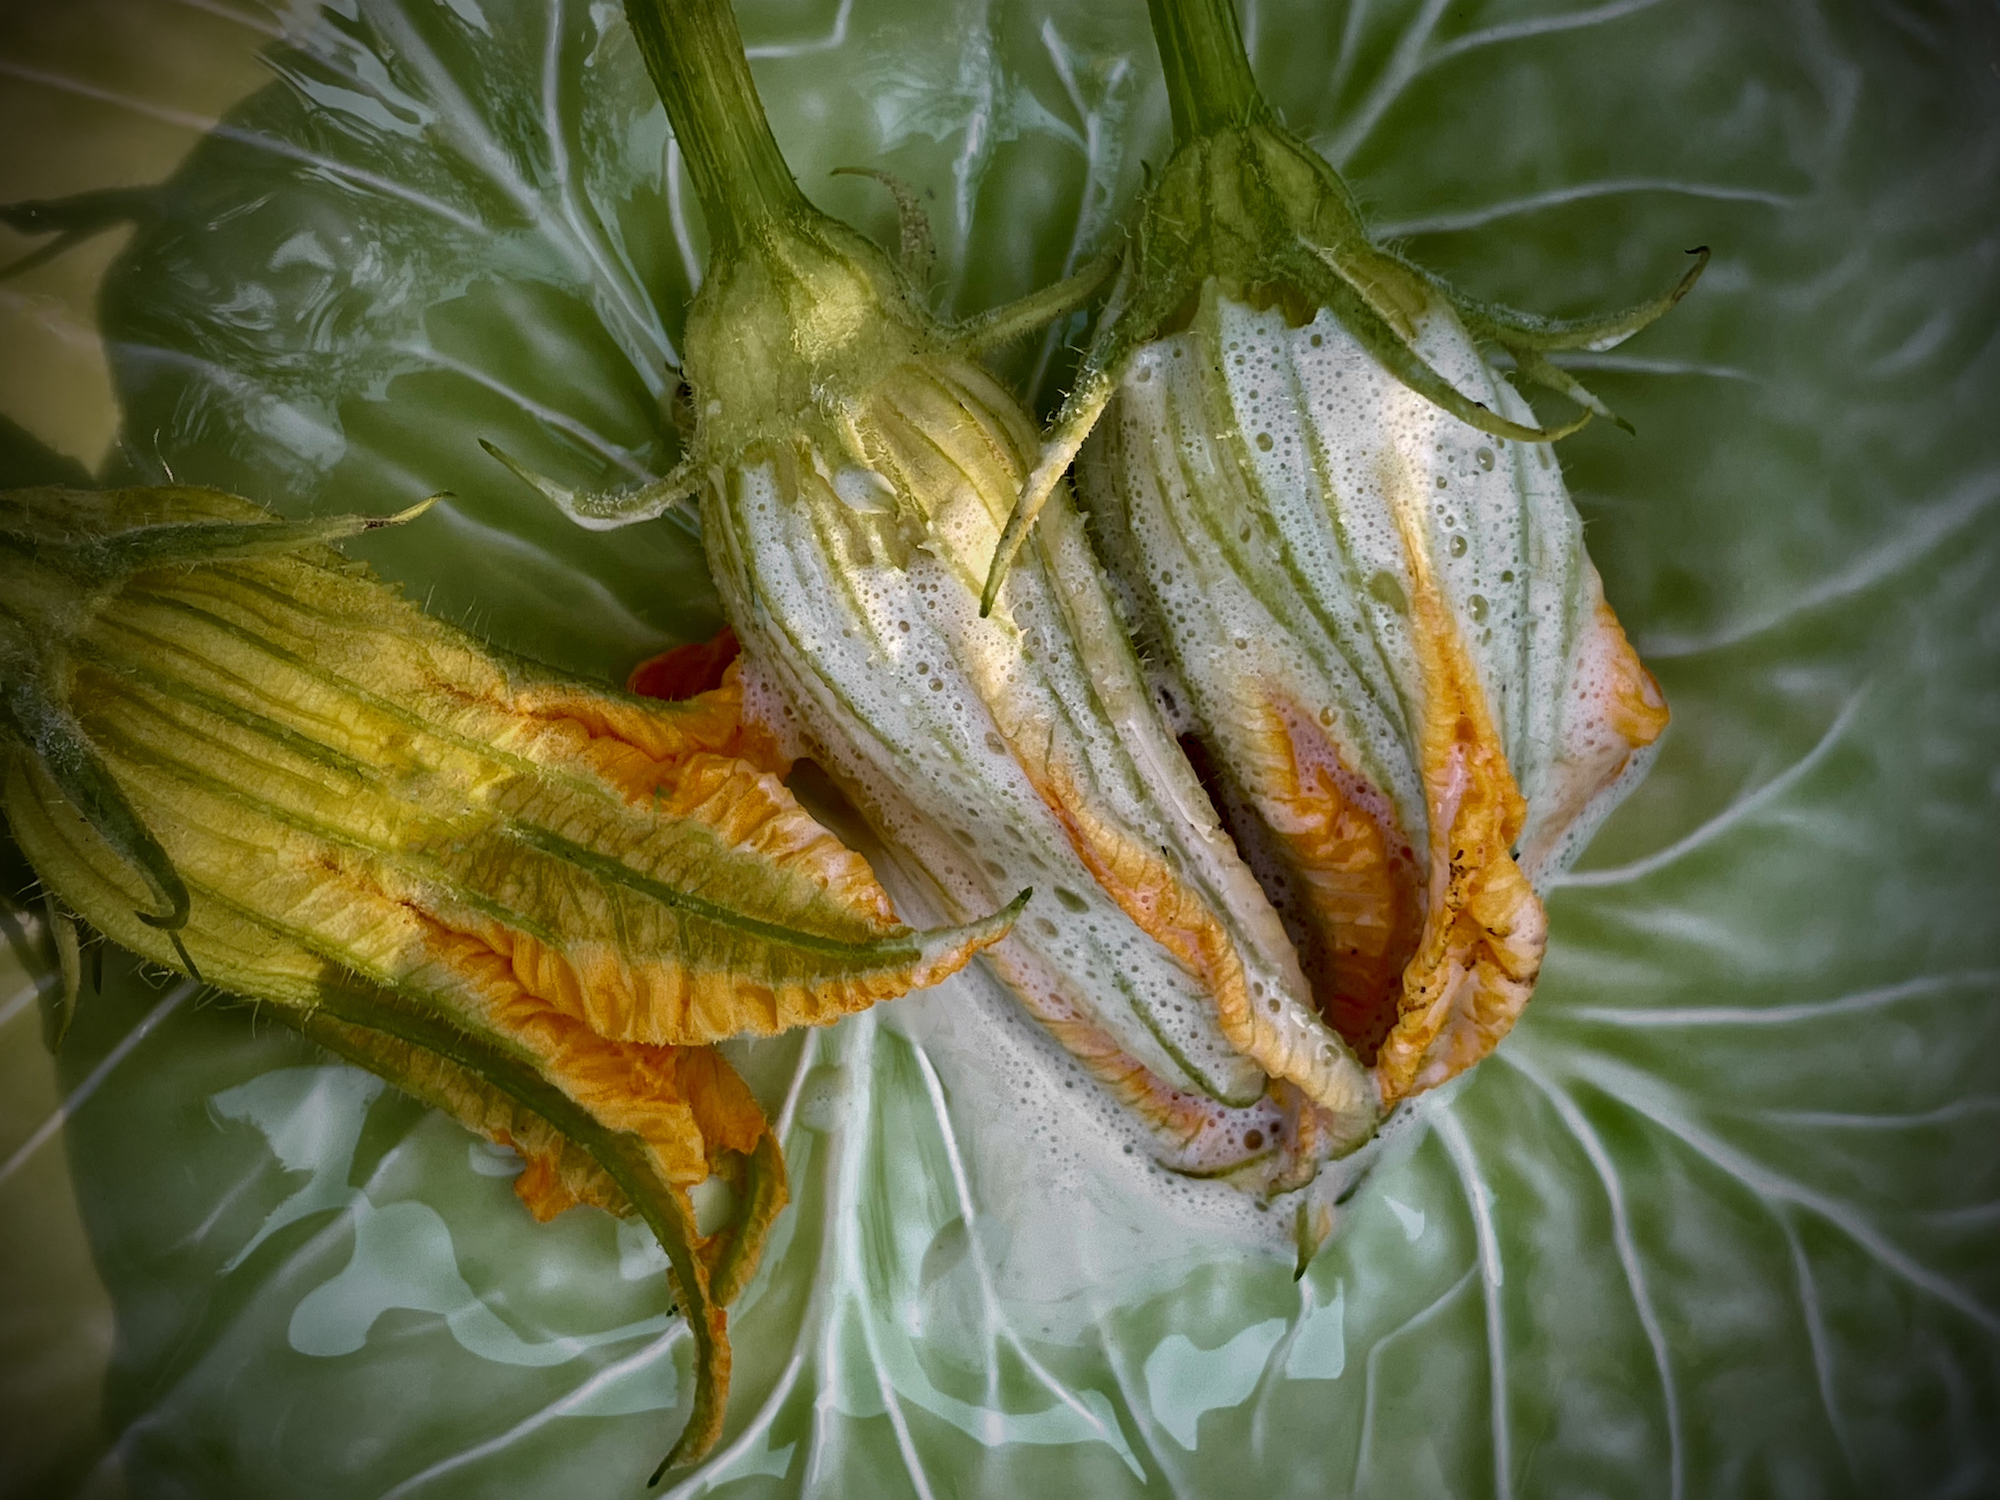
1717 1220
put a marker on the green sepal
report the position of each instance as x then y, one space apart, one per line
916 246
1001 325
1515 329
50 734
59 1000
96 561
607 510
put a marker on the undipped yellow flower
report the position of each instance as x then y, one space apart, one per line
531 901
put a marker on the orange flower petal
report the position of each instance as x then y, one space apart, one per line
1484 930
1332 856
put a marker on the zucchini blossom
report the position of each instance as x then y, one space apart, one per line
1347 544
855 466
528 901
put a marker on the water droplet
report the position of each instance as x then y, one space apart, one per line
1485 459
1264 441
1476 607
1071 900
1457 544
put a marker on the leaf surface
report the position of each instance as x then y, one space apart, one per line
1715 1219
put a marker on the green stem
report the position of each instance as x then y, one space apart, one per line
695 56
1209 83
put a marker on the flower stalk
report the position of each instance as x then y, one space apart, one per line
1209 84
694 54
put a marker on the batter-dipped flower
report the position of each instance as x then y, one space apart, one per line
1346 543
527 900
855 466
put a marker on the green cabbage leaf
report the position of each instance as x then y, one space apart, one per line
1714 1221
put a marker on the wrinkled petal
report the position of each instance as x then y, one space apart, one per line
1484 930
1395 664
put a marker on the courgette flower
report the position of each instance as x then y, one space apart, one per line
1347 543
855 466
528 901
